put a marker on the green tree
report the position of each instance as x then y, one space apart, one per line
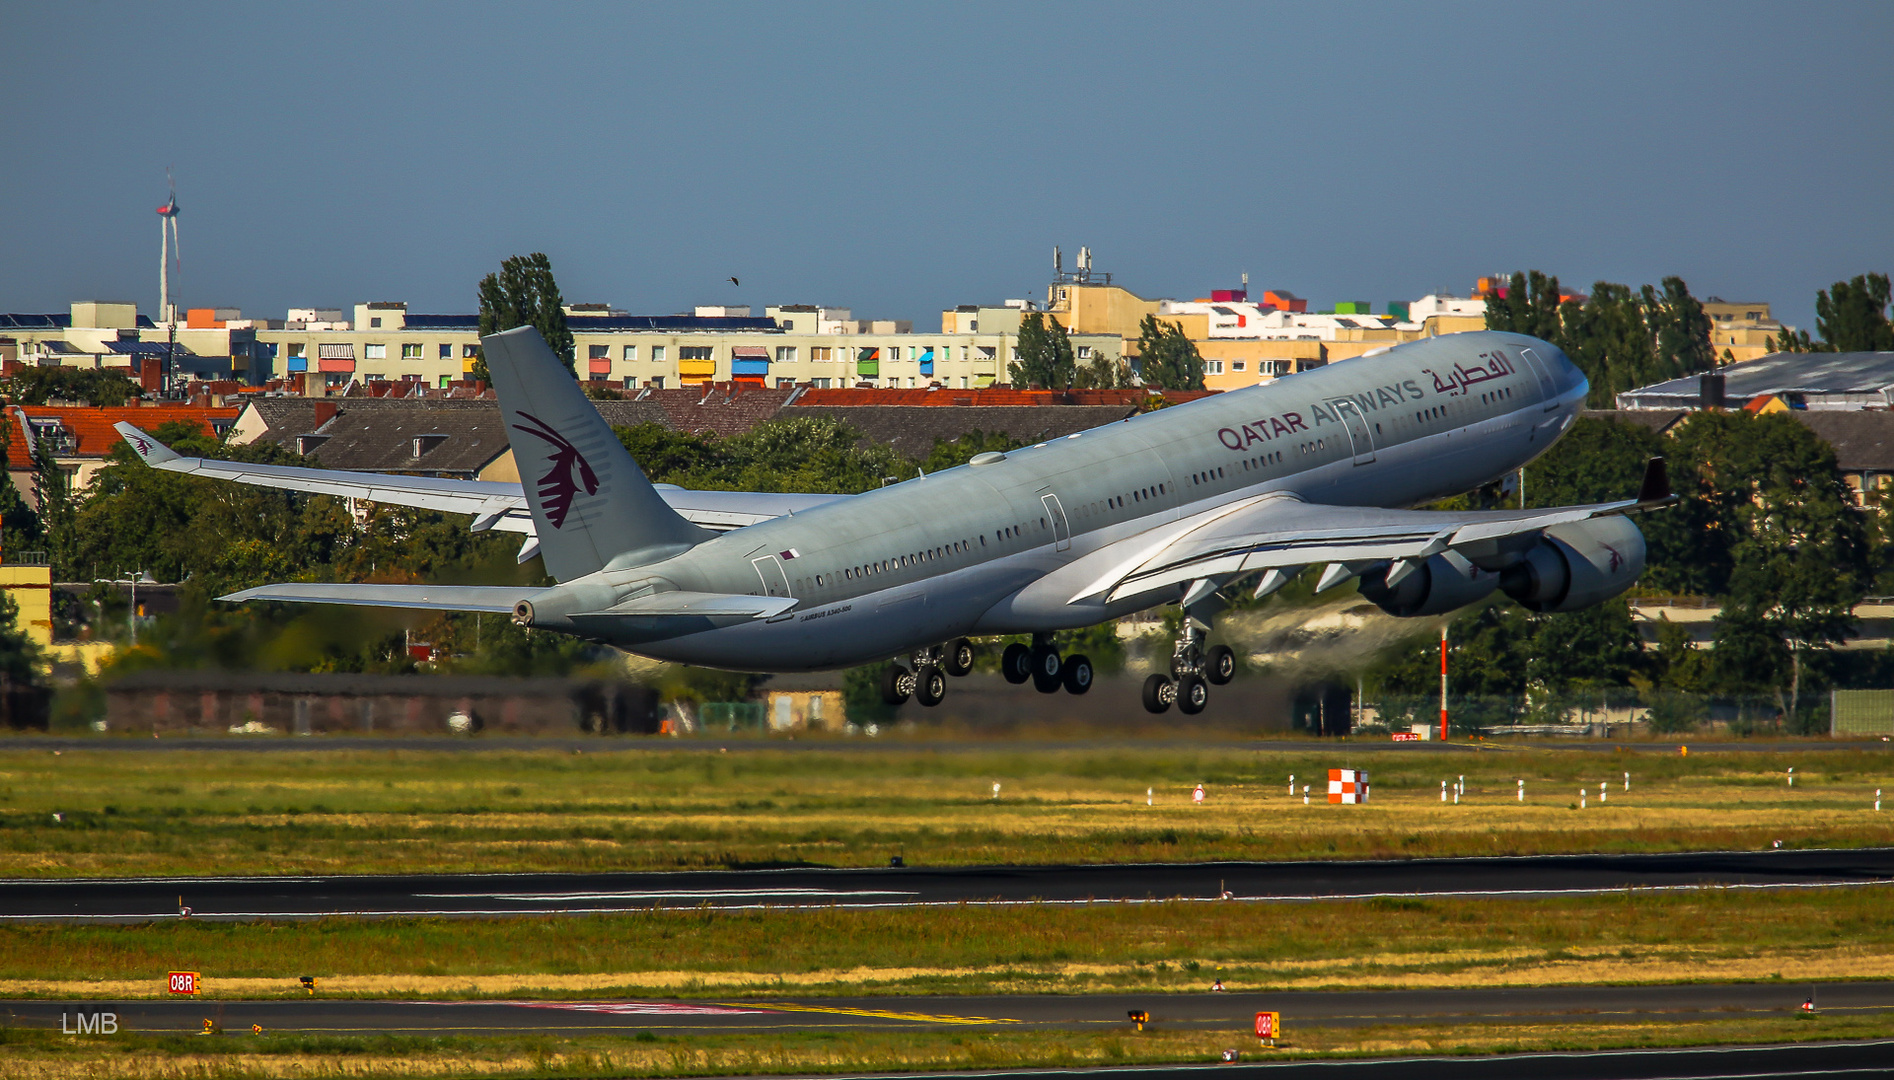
1167 359
1530 306
813 454
1851 316
33 385
1045 355
524 293
1103 373
1596 461
948 454
1610 341
1681 330
1579 650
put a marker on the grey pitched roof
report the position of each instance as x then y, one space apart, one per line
378 434
633 413
1657 420
1777 373
1863 440
912 429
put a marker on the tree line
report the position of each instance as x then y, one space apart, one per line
1764 527
213 537
1620 338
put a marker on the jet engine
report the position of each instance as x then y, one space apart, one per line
1576 566
1439 585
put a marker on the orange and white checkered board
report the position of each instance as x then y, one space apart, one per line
1348 785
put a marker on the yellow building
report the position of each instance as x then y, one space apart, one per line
30 587
1741 331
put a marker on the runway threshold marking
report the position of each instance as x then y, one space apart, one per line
881 1014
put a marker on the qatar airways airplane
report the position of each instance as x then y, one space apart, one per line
1173 506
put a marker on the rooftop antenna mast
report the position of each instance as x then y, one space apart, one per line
167 249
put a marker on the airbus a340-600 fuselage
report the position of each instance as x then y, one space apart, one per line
1171 506
1003 545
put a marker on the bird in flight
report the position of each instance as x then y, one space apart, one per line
734 281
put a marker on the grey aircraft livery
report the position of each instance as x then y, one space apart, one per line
1172 506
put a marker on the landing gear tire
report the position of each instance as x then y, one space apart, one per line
959 657
930 687
1192 694
1077 674
897 684
1159 693
1047 670
1219 665
1016 663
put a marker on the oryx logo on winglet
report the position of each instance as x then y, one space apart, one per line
559 486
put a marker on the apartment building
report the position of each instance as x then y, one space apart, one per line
102 334
823 347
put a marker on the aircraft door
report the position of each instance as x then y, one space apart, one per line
770 569
1061 530
1548 389
1358 434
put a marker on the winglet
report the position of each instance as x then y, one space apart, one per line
148 449
1656 486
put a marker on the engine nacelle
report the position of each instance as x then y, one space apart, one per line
1576 566
1441 584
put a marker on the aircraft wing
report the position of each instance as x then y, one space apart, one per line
504 598
492 504
1281 532
421 597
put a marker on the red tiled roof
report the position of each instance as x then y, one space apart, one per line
91 427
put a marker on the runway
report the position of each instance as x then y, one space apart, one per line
1086 1012
1850 1059
129 900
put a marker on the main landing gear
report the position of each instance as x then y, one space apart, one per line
1193 671
1042 664
925 677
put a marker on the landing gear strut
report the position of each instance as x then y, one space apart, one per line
924 678
1193 669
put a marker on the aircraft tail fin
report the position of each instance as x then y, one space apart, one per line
591 503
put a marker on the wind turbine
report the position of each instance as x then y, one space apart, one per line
168 248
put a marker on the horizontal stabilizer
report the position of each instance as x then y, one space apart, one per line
499 598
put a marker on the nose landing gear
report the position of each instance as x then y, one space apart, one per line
1193 670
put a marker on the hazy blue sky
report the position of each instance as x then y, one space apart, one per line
897 158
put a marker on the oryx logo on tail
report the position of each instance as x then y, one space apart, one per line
561 484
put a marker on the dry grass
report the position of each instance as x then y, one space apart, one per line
396 810
1711 936
45 1056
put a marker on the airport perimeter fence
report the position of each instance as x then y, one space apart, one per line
1622 712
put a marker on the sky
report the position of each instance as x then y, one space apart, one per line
897 159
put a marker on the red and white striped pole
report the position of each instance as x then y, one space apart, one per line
1443 682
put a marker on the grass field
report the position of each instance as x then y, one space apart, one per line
47 1056
98 812
1828 934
